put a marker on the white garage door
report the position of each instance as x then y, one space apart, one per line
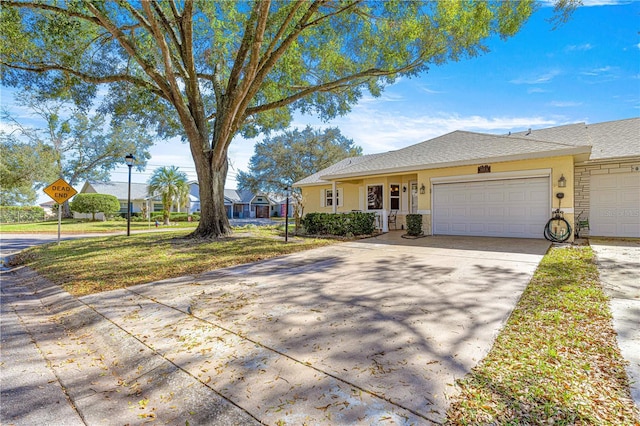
615 205
498 208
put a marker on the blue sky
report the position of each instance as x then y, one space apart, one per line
588 70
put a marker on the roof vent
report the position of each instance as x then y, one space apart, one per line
528 132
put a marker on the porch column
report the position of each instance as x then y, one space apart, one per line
335 198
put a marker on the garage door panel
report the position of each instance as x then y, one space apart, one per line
615 205
513 207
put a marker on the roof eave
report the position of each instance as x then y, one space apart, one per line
516 157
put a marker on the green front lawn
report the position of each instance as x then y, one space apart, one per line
91 265
75 226
557 361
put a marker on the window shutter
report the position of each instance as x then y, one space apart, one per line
323 196
339 195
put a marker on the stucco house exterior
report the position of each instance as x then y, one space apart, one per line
477 184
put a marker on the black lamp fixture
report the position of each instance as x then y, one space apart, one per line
562 182
404 189
129 159
422 188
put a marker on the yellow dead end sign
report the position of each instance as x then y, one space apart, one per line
60 191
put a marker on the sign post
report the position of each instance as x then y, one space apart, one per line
60 191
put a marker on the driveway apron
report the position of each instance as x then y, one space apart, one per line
619 266
368 332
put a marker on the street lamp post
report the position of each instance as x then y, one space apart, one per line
286 217
129 159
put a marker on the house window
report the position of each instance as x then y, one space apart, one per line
157 207
374 197
394 196
328 197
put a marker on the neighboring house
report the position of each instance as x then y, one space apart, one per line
48 209
238 204
466 183
139 198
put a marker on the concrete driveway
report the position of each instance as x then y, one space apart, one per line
368 332
619 266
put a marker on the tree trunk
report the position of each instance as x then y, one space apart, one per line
213 216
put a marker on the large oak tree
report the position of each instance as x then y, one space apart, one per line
209 70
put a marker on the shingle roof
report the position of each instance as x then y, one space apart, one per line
452 149
611 139
315 179
119 189
603 140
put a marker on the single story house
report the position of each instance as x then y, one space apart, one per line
246 204
239 204
477 184
139 198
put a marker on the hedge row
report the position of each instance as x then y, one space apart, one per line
354 223
15 214
176 217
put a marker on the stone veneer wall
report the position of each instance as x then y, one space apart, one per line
582 176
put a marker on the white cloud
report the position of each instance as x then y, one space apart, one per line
542 78
564 104
380 131
536 90
591 3
580 47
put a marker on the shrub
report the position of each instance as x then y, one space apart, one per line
354 223
414 225
95 203
176 217
15 214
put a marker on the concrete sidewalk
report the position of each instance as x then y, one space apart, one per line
619 266
368 332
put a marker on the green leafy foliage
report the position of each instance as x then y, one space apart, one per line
209 70
95 203
414 225
176 217
344 224
171 184
13 214
25 166
282 160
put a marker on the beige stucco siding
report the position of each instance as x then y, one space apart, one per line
354 192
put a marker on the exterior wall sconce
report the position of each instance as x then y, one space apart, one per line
422 188
404 189
562 182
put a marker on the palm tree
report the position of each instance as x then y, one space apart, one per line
168 182
184 191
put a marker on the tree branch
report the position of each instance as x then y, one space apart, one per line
40 68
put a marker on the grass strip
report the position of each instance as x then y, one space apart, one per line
557 360
77 226
96 264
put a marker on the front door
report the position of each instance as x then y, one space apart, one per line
414 197
262 212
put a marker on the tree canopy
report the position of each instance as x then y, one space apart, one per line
284 159
24 167
208 70
95 203
73 144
